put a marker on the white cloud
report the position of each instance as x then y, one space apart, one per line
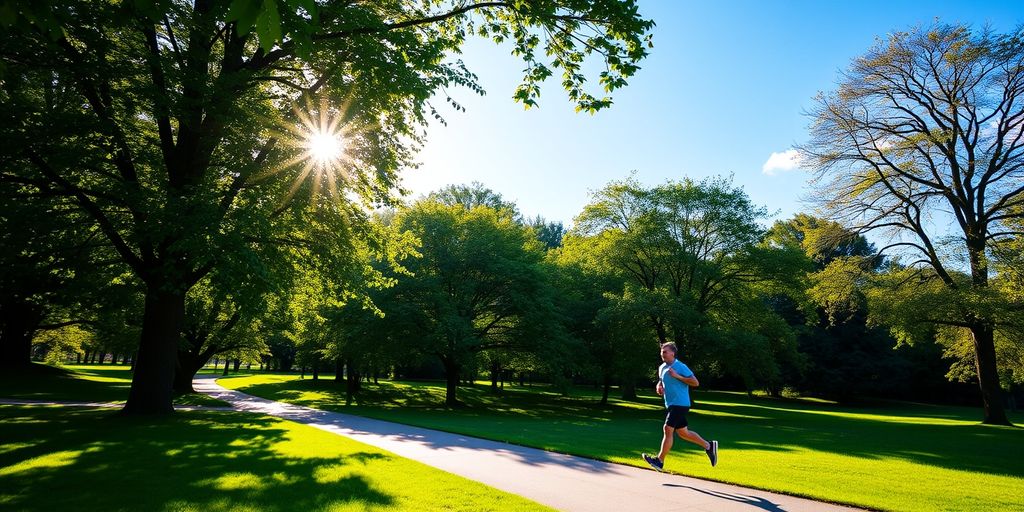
781 162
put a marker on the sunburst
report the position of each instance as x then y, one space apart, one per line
323 141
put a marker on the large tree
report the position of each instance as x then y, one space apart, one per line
196 124
477 286
922 141
695 270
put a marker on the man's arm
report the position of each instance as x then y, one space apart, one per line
689 381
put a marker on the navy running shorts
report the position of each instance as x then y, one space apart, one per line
676 417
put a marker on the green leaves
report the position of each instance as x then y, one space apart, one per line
276 20
263 15
695 270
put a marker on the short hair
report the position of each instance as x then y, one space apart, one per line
671 346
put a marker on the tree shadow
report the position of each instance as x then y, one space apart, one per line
76 459
944 439
48 383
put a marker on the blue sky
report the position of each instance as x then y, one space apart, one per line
725 87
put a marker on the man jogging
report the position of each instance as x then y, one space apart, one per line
674 381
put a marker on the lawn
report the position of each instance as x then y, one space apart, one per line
891 456
81 383
63 458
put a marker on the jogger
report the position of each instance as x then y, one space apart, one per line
674 382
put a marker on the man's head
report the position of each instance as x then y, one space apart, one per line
668 352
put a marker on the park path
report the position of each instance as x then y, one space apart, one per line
560 481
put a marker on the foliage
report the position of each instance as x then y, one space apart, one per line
473 195
696 272
476 286
549 233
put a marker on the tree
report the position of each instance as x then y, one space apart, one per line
358 338
55 270
924 123
822 240
473 195
477 286
217 322
695 270
845 356
549 233
582 298
195 119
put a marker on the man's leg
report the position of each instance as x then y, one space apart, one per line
692 437
666 443
711 449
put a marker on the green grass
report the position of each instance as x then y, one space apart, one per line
892 456
81 383
64 458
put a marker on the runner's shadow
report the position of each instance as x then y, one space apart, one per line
753 501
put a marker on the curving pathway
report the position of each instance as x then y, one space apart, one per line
560 481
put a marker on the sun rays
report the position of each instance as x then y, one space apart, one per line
323 137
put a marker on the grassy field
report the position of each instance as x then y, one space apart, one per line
62 458
81 383
892 456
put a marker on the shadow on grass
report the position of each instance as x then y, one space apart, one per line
946 437
43 382
949 440
47 383
74 459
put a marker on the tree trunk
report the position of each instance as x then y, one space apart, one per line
350 382
628 389
339 370
18 325
238 364
606 387
983 334
988 378
153 380
659 328
451 373
227 366
495 368
316 370
185 371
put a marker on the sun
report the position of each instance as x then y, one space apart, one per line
324 143
325 148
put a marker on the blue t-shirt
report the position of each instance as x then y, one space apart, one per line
676 392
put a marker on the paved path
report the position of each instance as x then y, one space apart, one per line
560 481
